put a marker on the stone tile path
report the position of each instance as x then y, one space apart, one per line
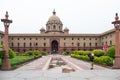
36 71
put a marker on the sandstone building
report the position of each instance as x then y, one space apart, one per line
55 38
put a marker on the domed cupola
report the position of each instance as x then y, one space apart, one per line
54 24
42 30
66 30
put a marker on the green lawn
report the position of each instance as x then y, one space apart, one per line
19 60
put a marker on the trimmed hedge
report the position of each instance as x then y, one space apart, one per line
104 60
98 58
99 52
35 53
86 58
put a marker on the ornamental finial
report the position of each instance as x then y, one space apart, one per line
54 13
6 15
116 17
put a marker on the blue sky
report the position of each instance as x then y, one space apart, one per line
80 16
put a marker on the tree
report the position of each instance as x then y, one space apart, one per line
111 52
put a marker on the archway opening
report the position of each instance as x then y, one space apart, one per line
54 46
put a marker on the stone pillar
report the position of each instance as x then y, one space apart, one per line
6 61
117 44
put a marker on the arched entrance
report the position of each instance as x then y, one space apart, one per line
54 46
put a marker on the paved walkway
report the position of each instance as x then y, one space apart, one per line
36 70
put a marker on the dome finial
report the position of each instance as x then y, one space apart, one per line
6 15
54 13
116 17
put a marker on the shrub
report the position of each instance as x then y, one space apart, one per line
66 53
80 52
2 46
86 58
111 51
36 53
1 54
44 53
87 53
105 60
98 53
29 53
12 54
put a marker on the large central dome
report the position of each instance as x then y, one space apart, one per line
54 19
54 26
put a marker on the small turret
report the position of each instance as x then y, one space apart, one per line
66 30
42 30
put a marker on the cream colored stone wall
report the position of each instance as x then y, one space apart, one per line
99 39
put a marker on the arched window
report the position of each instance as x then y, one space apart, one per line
96 44
48 27
84 44
24 44
72 44
12 44
30 44
64 44
44 44
54 27
59 28
18 44
36 44
110 43
90 44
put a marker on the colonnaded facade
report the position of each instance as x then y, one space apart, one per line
55 38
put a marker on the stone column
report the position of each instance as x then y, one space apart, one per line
6 61
117 44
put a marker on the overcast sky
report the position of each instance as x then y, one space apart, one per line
80 16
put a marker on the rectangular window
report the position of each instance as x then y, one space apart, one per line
84 38
12 38
44 44
44 38
24 45
72 38
64 44
95 38
89 38
36 38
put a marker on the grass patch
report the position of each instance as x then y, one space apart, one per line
18 60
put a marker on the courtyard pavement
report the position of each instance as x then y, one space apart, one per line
37 70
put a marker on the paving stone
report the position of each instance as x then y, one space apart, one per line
33 71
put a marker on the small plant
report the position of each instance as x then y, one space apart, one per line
44 53
66 53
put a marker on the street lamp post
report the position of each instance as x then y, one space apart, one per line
117 44
6 61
